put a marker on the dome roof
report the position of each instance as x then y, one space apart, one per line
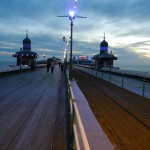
26 40
104 43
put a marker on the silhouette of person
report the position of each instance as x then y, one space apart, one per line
59 64
52 64
48 65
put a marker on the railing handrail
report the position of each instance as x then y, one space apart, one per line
144 79
79 121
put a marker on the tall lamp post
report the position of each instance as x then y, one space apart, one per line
66 40
71 16
65 58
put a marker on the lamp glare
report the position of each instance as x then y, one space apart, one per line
71 13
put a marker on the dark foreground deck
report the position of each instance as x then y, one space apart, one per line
123 115
33 111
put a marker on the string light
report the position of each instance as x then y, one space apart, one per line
75 4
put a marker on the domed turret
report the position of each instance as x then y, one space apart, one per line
26 40
104 43
27 43
103 46
25 56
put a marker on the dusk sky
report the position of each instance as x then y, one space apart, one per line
126 25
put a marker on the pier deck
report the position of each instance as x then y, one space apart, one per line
33 111
123 115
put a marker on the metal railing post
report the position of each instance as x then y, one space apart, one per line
110 75
102 74
143 93
75 118
122 85
74 133
83 135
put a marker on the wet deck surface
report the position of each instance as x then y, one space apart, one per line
33 111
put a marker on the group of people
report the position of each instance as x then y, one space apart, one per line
50 64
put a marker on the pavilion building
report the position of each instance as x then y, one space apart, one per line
104 59
25 56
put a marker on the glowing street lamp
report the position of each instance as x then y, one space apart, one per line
71 16
66 40
65 53
44 56
65 56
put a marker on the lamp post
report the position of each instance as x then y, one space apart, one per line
65 58
44 56
66 40
71 16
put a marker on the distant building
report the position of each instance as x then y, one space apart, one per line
82 59
54 59
104 59
25 56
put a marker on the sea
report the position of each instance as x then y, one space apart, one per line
141 68
5 65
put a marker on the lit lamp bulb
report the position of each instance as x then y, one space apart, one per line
71 15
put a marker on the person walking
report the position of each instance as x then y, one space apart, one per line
59 64
52 66
48 65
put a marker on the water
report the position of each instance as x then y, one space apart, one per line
4 65
143 68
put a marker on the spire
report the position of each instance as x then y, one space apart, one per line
26 33
104 36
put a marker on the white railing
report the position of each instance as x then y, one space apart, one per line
76 120
140 85
16 68
85 131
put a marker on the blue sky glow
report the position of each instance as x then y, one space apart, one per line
125 24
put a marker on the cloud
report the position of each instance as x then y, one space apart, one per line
126 25
5 53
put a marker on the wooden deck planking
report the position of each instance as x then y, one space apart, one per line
33 110
123 115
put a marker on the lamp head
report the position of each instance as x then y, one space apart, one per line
71 15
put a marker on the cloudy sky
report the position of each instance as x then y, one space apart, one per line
126 24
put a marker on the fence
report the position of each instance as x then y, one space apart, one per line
137 82
76 120
84 128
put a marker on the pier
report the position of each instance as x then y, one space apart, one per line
33 111
40 110
123 115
